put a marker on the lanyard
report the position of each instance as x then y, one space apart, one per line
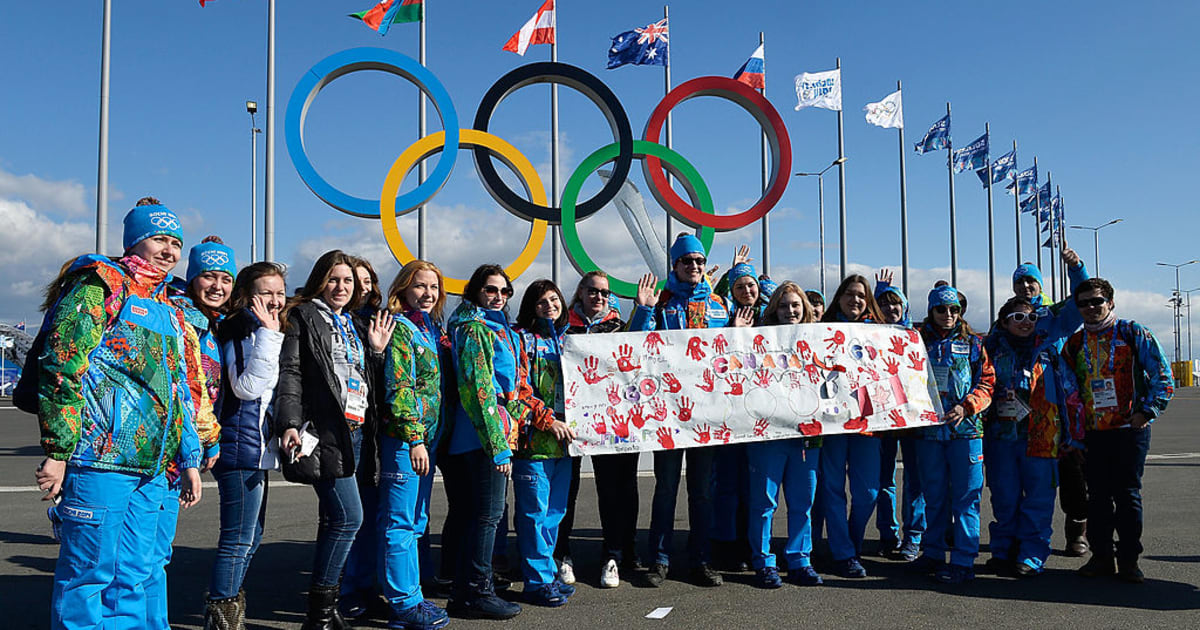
354 349
1112 350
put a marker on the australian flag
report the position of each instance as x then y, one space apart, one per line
646 46
1003 168
972 156
938 136
1026 182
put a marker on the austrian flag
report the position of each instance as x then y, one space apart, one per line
538 30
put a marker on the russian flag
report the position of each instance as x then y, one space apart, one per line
752 72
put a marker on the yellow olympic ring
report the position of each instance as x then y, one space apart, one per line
435 143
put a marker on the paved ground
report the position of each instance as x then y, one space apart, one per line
277 579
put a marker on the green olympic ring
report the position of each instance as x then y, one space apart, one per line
675 163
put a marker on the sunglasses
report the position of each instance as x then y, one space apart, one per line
1022 316
493 290
593 292
1090 302
953 310
699 261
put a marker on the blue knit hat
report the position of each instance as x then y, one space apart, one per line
1027 270
741 270
684 245
211 256
944 296
151 220
766 286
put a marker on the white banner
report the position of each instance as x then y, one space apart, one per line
888 113
820 89
630 392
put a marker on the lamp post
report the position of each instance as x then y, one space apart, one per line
821 211
1188 293
1096 238
1177 301
252 108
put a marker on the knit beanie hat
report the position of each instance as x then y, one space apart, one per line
1027 270
766 286
150 220
684 245
211 255
739 271
944 296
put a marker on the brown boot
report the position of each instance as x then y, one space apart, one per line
241 610
221 614
1076 532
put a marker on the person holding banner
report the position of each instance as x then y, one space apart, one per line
687 302
849 455
791 464
950 455
816 300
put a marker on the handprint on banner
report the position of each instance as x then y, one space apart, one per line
809 429
624 359
620 424
813 373
590 365
930 417
672 383
893 367
614 394
760 427
703 434
835 342
914 336
635 416
735 382
600 427
685 409
858 423
694 348
720 344
916 362
665 438
760 343
762 377
898 345
707 385
897 418
572 392
653 343
724 434
803 349
660 409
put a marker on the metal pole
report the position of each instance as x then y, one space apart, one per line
1053 266
903 209
1189 325
1177 301
762 140
1037 216
821 214
554 232
102 169
953 226
253 190
1096 246
987 131
1060 222
421 166
1017 203
841 185
269 202
667 132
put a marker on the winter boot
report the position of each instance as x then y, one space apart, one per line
323 611
221 614
241 611
1076 532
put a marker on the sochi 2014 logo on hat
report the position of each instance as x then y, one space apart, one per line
164 221
214 259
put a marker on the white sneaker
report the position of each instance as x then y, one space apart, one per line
566 573
609 577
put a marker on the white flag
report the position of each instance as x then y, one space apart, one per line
820 89
888 113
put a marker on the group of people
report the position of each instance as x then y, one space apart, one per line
143 381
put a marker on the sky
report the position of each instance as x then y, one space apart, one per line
1098 91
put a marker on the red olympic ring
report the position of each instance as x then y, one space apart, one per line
772 125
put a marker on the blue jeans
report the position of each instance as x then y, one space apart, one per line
243 513
540 491
156 585
110 522
362 566
401 522
668 468
1116 459
952 480
340 516
478 492
912 510
856 456
782 463
1022 490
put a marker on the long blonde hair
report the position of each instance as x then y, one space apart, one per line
405 278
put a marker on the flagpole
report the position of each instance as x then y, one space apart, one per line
269 185
987 132
1017 201
766 226
903 205
1037 212
953 227
102 168
667 131
1053 271
421 134
841 181
1062 238
554 232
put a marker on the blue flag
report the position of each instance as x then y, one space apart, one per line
1003 168
646 46
973 155
938 136
1026 182
1039 199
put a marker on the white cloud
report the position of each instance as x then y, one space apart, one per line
32 247
68 197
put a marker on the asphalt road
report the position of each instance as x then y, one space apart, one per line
279 574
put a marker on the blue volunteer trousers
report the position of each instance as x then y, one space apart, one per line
952 480
788 464
1022 491
856 456
401 521
540 489
156 585
107 553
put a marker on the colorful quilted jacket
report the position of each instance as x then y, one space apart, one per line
115 375
494 393
414 380
210 353
682 306
1135 362
543 345
1032 377
964 377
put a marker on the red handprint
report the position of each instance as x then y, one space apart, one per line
760 427
574 389
600 428
915 361
620 424
665 438
624 360
803 349
809 428
720 344
702 434
930 417
614 394
653 342
660 409
898 345
813 373
856 424
672 383
762 377
707 385
835 342
897 418
685 409
735 382
724 434
760 343
590 365
871 373
893 367
636 417
914 336
693 349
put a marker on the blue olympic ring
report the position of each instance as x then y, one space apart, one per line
353 60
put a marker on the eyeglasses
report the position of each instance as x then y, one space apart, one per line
1090 302
493 290
942 310
1021 316
699 261
593 292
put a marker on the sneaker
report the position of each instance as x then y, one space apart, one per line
849 568
566 572
610 577
1098 566
656 575
1000 566
909 551
804 576
1026 571
705 575
546 595
767 577
423 616
353 605
500 582
1129 572
954 574
485 607
924 565
566 590
889 547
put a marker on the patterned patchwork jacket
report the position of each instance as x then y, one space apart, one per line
1040 385
1129 355
543 346
965 377
414 374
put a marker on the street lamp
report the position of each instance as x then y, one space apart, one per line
1188 293
1177 301
821 211
1096 238
252 108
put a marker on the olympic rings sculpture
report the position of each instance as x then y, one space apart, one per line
657 160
